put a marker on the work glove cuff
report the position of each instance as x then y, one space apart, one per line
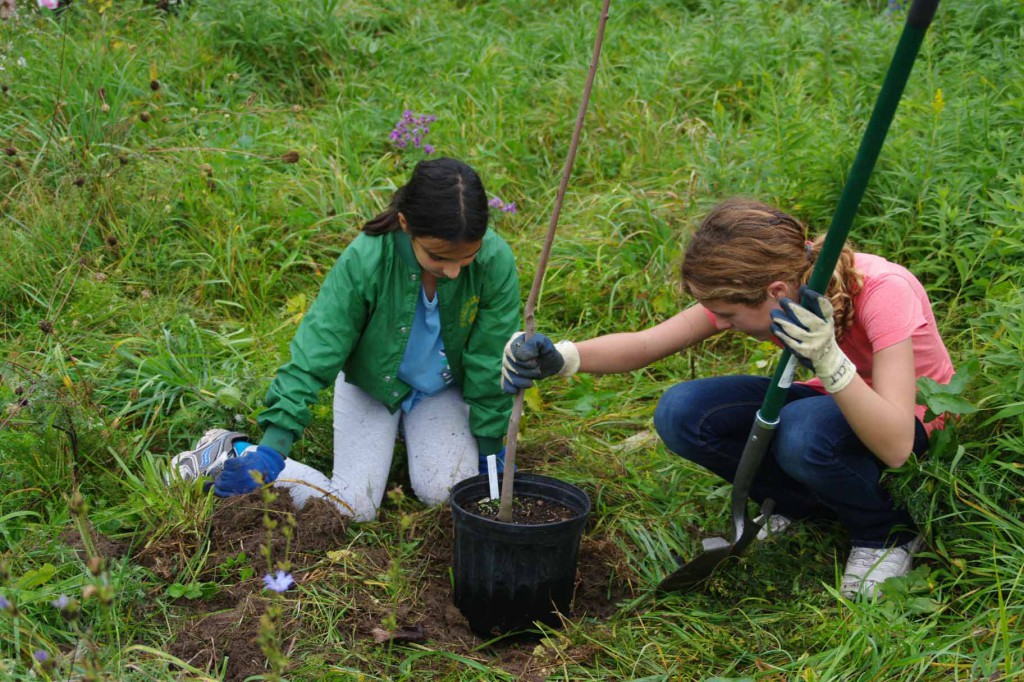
570 358
836 371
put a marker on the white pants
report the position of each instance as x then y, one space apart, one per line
441 451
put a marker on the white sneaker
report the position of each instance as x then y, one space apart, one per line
207 459
869 567
777 525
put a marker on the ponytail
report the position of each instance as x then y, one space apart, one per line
387 220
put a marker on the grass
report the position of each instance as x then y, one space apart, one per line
163 241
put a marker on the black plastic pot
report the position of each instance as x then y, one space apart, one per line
506 575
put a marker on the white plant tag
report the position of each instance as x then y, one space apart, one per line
492 475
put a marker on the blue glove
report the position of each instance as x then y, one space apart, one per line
808 330
500 456
237 476
526 360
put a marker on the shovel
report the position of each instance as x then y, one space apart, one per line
718 549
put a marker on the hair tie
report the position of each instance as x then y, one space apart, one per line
810 246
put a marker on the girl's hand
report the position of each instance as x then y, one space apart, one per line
809 332
247 473
536 358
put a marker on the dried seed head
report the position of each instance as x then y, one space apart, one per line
10 151
144 116
105 108
79 181
45 326
206 169
146 293
134 394
122 159
78 504
296 108
290 157
96 565
111 241
154 85
89 591
102 92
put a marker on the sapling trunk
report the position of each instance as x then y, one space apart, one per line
508 477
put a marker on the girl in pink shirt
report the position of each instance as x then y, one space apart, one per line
868 339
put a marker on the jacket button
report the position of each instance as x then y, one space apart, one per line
394 394
405 330
387 378
413 277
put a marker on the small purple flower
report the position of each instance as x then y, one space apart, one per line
49 4
4 604
411 131
497 203
40 656
60 602
279 582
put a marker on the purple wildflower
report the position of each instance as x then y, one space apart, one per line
497 203
279 582
61 602
4 604
40 656
49 4
411 130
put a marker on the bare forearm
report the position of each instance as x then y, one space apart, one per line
615 353
886 429
626 351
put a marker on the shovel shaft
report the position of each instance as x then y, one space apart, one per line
919 18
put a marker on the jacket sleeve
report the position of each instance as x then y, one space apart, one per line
322 344
497 319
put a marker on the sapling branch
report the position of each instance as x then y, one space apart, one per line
508 477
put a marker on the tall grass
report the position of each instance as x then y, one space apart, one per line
174 187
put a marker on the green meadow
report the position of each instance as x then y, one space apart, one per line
176 179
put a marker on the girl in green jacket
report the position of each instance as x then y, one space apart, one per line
407 326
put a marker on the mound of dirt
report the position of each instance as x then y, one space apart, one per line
225 627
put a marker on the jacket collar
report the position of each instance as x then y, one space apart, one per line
403 246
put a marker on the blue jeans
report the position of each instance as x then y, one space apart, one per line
815 464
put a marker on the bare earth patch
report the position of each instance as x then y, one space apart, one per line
322 553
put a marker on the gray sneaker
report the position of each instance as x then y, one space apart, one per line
207 459
777 524
869 567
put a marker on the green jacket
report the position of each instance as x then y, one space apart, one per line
360 323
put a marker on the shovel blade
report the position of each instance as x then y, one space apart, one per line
697 570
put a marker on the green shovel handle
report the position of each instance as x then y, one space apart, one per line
919 17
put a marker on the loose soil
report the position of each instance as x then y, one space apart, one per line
323 553
527 511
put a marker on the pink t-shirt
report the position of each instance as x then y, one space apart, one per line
890 307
